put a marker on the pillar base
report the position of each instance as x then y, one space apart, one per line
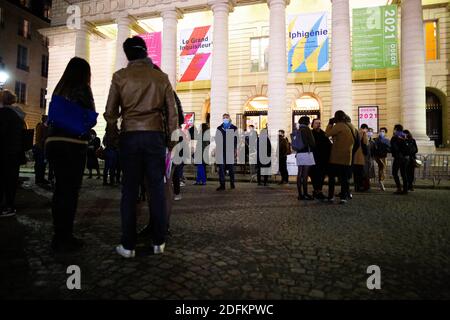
425 146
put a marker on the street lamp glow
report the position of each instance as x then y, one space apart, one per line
4 76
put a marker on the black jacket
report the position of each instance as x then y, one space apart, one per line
221 144
401 147
11 133
322 149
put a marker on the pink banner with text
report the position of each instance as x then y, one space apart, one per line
153 42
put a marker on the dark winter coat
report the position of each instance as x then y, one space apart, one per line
11 134
322 149
221 152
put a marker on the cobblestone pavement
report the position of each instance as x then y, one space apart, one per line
248 243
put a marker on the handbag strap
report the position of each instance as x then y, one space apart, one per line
351 130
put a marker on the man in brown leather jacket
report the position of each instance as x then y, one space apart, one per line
143 98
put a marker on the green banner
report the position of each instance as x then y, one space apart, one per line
375 40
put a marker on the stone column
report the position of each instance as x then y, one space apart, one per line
169 44
277 114
393 99
278 109
82 42
123 32
341 62
219 72
413 72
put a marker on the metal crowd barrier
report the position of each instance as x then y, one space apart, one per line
434 167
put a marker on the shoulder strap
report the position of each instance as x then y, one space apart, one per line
351 130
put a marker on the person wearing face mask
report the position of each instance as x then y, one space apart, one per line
401 156
360 160
225 155
380 148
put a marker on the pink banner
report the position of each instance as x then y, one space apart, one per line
153 42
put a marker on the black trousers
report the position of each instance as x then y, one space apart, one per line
9 177
68 161
358 176
410 173
317 174
176 178
400 164
143 154
222 168
258 175
39 164
283 169
342 172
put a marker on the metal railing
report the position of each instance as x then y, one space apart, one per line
435 167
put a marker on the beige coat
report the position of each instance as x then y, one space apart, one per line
341 151
360 158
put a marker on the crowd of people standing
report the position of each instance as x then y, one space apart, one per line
137 155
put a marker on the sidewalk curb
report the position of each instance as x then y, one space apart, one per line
247 180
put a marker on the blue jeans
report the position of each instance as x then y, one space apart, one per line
142 154
201 173
222 168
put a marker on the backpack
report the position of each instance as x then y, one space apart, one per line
297 141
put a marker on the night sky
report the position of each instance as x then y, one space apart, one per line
37 6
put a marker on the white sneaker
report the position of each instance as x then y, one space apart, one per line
159 249
382 188
125 253
182 184
177 197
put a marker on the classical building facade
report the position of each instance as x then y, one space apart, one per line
249 75
24 54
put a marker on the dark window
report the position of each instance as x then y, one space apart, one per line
43 101
47 11
22 58
21 92
25 3
44 66
2 17
259 54
24 29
